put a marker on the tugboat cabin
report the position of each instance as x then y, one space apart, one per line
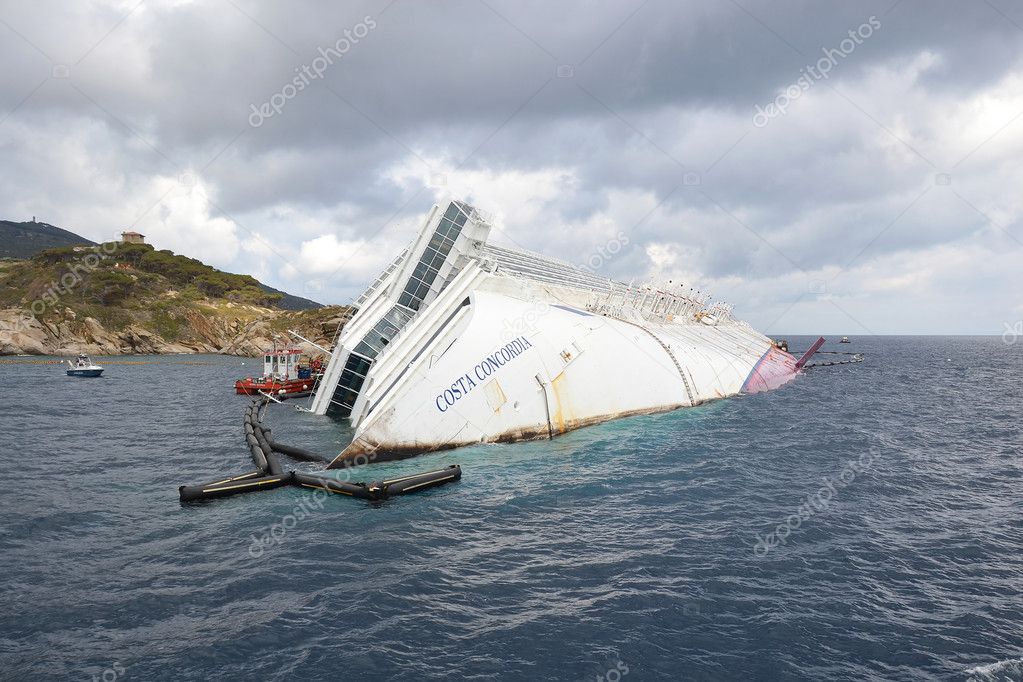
282 364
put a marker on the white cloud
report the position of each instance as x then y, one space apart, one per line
331 190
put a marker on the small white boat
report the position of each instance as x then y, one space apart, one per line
845 339
83 367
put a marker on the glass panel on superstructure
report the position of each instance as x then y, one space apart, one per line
436 252
348 387
362 357
353 376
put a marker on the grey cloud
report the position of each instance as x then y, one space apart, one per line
658 89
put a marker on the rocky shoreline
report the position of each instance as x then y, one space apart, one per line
23 334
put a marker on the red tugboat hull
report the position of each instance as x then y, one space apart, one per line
292 388
284 375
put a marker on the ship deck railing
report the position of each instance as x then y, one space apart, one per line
546 269
380 278
607 296
656 305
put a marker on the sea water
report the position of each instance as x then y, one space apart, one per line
864 522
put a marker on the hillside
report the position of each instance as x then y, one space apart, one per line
24 240
119 298
290 301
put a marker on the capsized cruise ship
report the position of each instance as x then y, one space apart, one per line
460 341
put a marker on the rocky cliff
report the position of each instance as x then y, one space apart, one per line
114 299
228 334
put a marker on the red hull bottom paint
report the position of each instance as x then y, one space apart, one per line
775 368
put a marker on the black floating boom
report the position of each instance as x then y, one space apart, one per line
232 486
273 462
378 490
381 490
257 453
269 473
410 484
297 453
331 485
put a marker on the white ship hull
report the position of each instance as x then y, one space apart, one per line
502 349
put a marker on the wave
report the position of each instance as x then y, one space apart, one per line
1009 670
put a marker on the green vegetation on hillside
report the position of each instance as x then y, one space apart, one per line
120 284
115 273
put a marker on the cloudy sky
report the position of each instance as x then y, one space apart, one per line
828 167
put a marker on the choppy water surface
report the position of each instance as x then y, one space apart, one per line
865 522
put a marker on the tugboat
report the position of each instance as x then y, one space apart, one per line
284 375
83 367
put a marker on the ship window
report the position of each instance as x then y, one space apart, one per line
452 211
450 229
365 349
397 317
358 365
426 270
347 390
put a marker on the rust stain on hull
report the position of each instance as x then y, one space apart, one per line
362 451
561 414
